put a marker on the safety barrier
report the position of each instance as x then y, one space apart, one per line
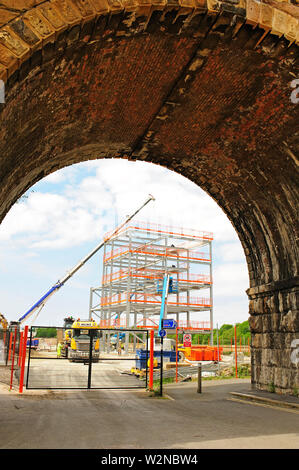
149 274
13 355
178 253
164 229
150 323
151 299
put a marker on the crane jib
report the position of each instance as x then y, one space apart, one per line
40 301
79 265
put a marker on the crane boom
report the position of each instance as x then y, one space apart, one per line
41 302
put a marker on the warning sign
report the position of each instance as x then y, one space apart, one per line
187 339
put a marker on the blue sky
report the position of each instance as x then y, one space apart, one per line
65 215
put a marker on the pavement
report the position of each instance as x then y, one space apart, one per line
131 419
261 397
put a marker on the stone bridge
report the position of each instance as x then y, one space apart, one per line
206 88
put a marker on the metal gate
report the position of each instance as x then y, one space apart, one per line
104 360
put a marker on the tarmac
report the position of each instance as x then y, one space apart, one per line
218 418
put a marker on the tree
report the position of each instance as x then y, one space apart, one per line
46 333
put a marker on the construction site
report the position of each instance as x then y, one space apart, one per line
156 292
208 91
149 333
135 263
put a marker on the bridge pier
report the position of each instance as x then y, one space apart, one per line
274 324
201 87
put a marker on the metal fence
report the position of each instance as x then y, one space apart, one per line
10 348
101 360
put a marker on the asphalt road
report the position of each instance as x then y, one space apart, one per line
102 419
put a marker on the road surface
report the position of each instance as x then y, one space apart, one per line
102 419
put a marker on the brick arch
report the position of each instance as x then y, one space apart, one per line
202 88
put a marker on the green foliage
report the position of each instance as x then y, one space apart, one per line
226 334
243 371
46 333
225 327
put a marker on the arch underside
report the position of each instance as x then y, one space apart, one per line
207 96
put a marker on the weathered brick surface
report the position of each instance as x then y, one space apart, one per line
201 87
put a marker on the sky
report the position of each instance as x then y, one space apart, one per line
65 215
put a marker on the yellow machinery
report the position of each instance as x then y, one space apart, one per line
3 322
85 335
66 342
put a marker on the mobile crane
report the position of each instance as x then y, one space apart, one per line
36 308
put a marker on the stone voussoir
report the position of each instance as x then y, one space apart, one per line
21 34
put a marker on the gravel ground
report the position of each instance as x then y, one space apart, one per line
5 373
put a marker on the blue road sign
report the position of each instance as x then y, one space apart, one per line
169 323
162 333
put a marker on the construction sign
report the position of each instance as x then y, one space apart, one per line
187 340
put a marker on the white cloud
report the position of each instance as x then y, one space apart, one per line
83 212
231 252
56 177
230 279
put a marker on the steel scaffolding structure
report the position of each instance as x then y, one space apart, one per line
134 264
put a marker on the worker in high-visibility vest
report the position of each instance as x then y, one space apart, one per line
59 347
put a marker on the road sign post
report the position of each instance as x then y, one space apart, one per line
161 364
162 333
151 374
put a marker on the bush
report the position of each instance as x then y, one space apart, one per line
46 333
226 334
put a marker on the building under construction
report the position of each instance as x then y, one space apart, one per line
135 261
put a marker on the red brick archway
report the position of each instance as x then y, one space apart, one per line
204 91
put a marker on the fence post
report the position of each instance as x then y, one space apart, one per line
24 344
176 355
20 348
236 352
151 371
90 360
218 349
9 349
13 358
199 379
